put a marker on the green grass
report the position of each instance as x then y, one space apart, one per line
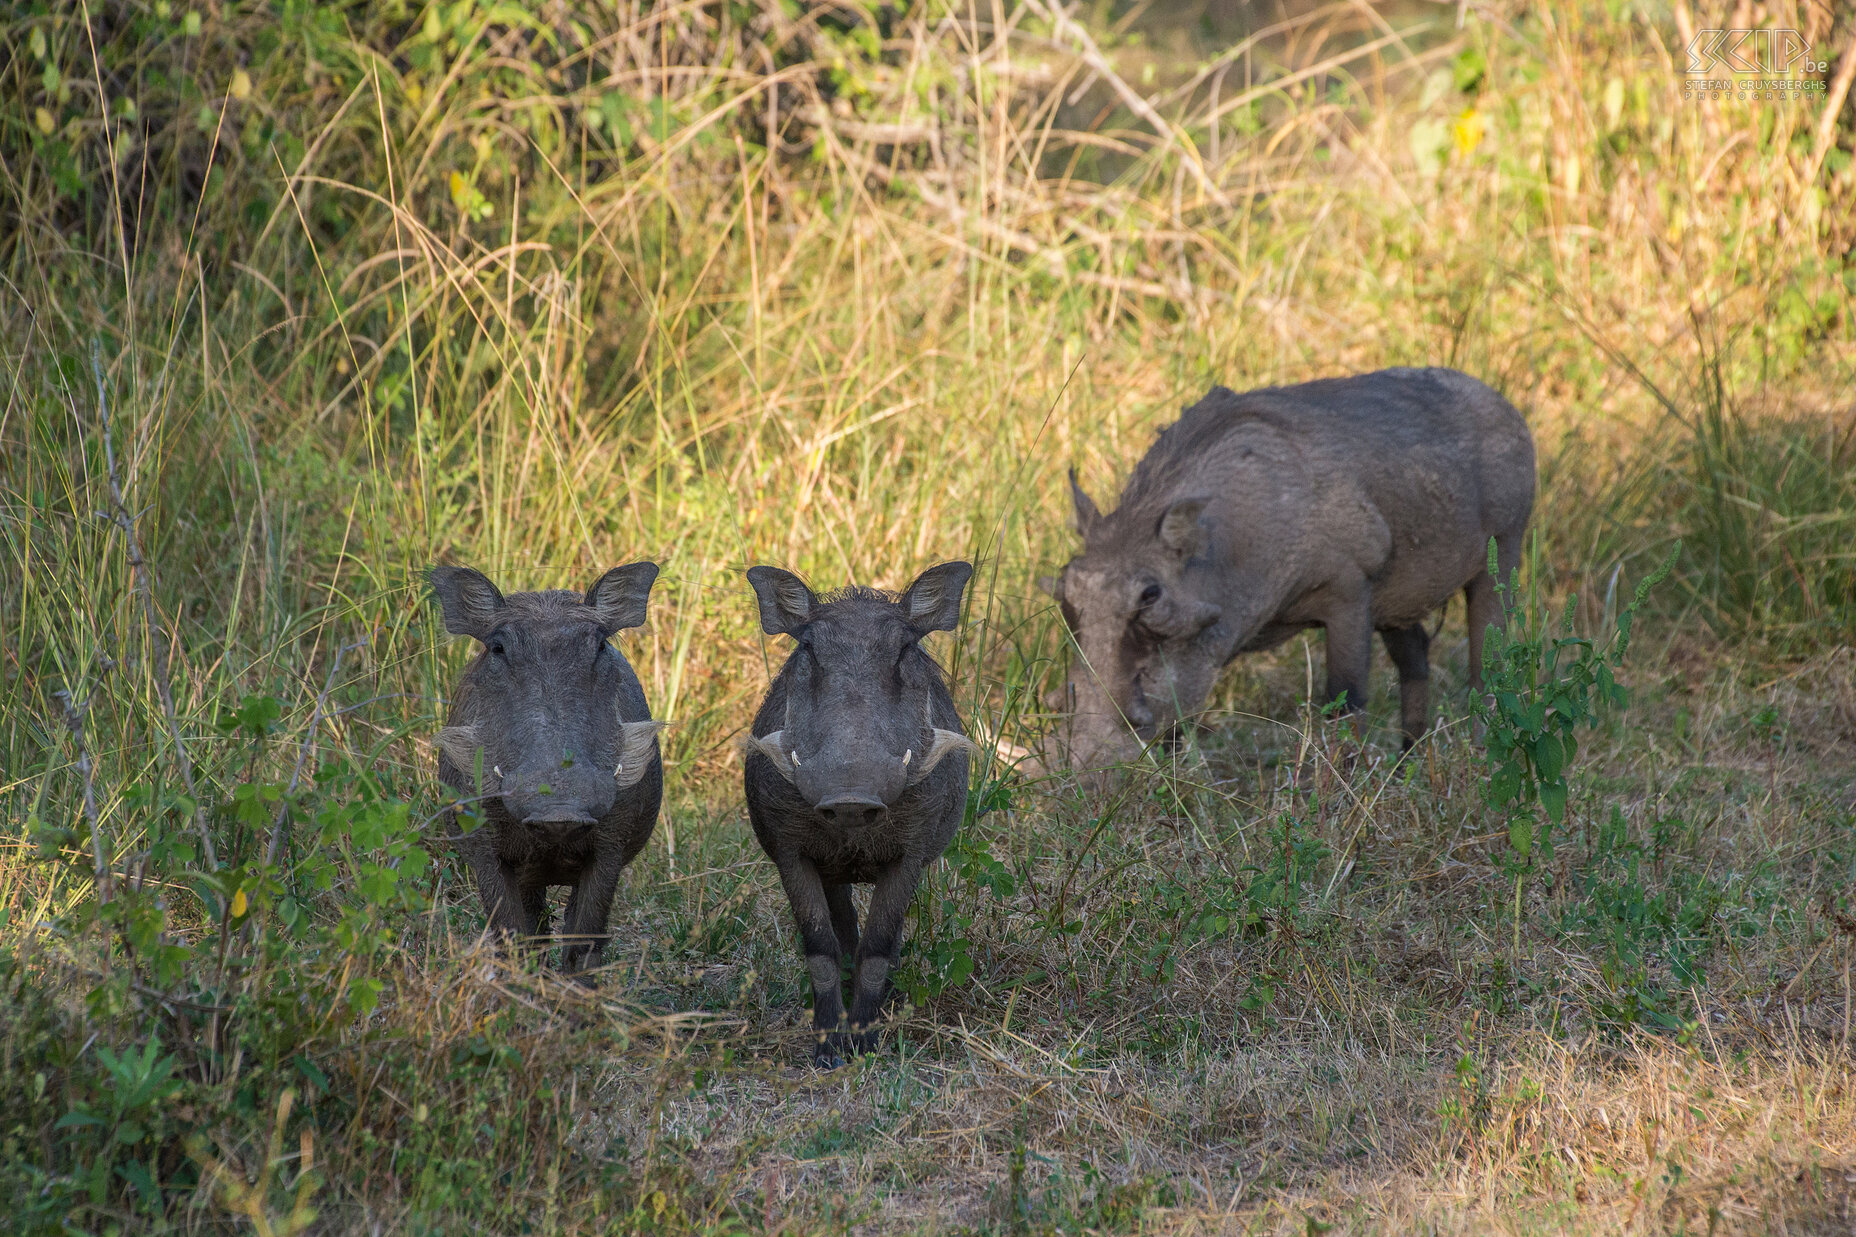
549 289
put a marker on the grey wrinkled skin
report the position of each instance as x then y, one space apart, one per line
1352 504
856 773
554 720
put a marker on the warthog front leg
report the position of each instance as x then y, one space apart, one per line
819 939
535 908
1349 624
877 953
588 908
843 919
500 887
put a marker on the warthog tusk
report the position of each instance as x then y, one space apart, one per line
908 756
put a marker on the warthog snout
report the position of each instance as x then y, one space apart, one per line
853 810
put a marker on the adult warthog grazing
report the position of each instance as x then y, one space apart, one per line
856 773
1353 504
549 736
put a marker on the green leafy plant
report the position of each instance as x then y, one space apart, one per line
1542 682
940 955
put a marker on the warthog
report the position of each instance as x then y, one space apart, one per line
1352 504
856 773
549 735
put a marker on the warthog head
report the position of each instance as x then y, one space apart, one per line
858 727
1131 599
537 715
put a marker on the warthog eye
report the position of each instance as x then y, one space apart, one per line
498 649
1150 594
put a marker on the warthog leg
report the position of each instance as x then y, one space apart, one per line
843 919
819 939
535 907
880 948
1410 650
1349 623
1485 604
585 921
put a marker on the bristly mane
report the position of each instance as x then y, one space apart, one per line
858 592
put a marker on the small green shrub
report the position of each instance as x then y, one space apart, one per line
1540 688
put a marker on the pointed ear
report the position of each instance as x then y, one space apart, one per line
1086 513
933 601
469 600
785 601
1179 529
622 594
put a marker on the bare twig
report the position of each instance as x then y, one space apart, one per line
1064 28
1833 107
74 722
280 827
142 577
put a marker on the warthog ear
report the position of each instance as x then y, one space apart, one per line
933 601
785 601
622 594
1179 529
1086 513
636 740
470 601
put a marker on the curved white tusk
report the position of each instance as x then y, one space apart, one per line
795 756
908 756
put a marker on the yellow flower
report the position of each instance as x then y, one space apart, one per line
1468 130
241 84
44 120
239 905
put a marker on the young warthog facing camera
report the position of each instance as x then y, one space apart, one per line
1353 504
550 740
856 773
